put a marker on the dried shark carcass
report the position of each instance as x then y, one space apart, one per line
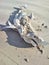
22 23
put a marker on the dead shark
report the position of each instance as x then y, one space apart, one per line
22 24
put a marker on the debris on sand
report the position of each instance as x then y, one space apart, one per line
26 59
45 26
38 29
22 22
42 24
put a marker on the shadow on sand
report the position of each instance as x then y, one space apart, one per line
13 37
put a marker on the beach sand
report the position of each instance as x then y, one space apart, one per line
13 50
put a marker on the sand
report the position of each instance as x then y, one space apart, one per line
13 50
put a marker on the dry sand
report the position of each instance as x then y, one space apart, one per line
13 50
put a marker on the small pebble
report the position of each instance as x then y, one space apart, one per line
26 59
38 30
45 26
41 51
47 57
42 24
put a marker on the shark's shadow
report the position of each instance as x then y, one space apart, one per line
13 37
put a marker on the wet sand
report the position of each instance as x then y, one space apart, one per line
13 50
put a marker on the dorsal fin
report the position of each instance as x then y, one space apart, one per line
31 16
